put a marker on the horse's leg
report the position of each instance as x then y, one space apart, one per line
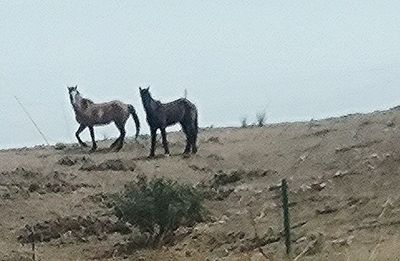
78 132
194 142
94 147
164 141
153 142
120 140
117 140
188 145
114 143
194 138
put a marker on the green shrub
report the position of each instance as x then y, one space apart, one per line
159 207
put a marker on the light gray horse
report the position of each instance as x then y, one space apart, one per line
89 114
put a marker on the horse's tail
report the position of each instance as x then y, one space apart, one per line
194 116
196 122
132 111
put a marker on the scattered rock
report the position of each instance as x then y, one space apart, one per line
223 179
303 157
88 166
257 173
358 146
215 157
275 187
223 220
341 173
327 210
257 257
117 165
321 132
218 194
213 140
301 240
34 187
318 186
305 187
66 161
221 252
197 168
136 241
188 253
343 242
386 207
374 156
236 235
390 124
314 247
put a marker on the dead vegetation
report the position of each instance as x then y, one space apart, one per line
109 165
343 196
22 183
72 229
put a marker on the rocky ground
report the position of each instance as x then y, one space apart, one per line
343 176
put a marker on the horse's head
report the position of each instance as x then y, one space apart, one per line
145 94
73 94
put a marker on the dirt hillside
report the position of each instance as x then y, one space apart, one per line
343 175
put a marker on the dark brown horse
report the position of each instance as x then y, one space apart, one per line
89 114
161 115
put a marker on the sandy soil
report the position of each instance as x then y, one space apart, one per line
343 176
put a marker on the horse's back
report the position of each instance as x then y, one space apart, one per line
114 103
106 112
180 110
181 103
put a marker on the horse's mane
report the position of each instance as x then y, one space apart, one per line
88 101
85 103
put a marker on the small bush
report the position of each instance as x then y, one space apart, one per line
60 146
223 179
244 122
159 206
261 119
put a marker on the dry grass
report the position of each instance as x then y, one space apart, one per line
35 188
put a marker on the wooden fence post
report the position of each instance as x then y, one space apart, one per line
286 216
31 238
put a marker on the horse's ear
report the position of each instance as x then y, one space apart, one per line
140 88
148 88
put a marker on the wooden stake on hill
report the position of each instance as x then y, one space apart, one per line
286 217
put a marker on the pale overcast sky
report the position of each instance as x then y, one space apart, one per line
296 59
